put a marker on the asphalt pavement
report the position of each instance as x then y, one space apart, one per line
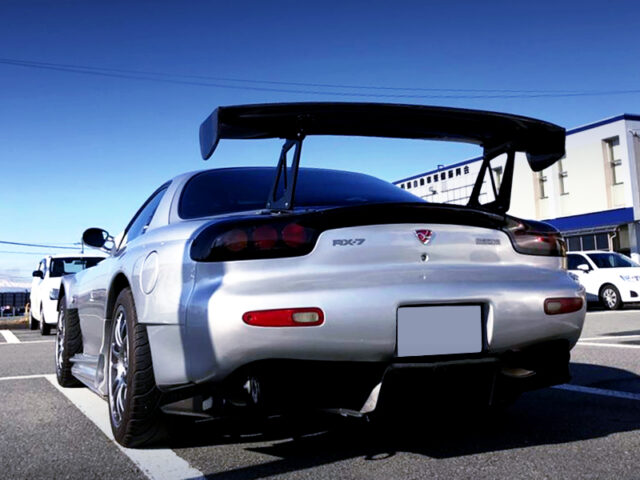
589 428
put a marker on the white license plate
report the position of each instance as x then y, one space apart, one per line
441 330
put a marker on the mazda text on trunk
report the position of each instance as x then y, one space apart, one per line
275 289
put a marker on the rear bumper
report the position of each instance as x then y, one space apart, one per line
360 322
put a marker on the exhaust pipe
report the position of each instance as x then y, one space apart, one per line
516 372
253 390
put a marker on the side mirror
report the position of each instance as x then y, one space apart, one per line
38 274
584 267
96 237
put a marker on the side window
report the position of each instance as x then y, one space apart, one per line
573 261
579 260
142 219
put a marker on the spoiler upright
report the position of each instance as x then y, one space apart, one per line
542 142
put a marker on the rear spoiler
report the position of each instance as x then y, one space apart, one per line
542 142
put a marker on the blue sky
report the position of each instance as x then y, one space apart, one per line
82 150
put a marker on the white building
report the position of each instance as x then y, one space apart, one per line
592 195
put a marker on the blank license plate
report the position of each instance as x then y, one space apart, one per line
440 330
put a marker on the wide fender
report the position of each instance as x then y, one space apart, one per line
67 292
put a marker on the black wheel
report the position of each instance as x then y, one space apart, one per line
45 328
68 344
33 323
134 399
610 297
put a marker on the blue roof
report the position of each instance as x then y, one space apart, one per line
593 220
623 116
588 126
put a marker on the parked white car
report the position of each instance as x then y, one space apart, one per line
46 284
608 277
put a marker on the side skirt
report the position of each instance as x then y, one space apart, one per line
85 369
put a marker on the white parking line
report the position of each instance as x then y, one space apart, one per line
599 391
9 337
609 337
609 312
157 463
614 345
23 377
27 342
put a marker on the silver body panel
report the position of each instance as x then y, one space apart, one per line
194 310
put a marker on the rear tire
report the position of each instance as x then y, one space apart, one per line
33 323
68 344
134 398
45 328
610 297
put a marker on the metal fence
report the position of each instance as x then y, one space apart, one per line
13 303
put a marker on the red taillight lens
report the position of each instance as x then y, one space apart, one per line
286 317
555 306
265 237
294 235
253 239
536 238
235 240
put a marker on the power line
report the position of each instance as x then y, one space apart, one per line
157 77
270 82
27 253
36 245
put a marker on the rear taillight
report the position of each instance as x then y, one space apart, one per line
252 240
285 317
535 238
555 306
265 237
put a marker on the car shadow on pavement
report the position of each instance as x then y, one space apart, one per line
546 417
618 333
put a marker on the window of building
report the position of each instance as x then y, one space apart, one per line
443 175
402 186
428 179
574 244
421 181
458 172
497 176
602 241
435 177
562 178
591 241
466 170
615 159
588 242
450 173
542 180
415 183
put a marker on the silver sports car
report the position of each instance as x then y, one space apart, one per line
271 289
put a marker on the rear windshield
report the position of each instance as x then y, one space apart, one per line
66 266
215 192
611 260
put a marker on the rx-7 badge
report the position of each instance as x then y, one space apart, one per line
424 236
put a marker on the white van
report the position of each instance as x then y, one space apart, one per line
46 283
